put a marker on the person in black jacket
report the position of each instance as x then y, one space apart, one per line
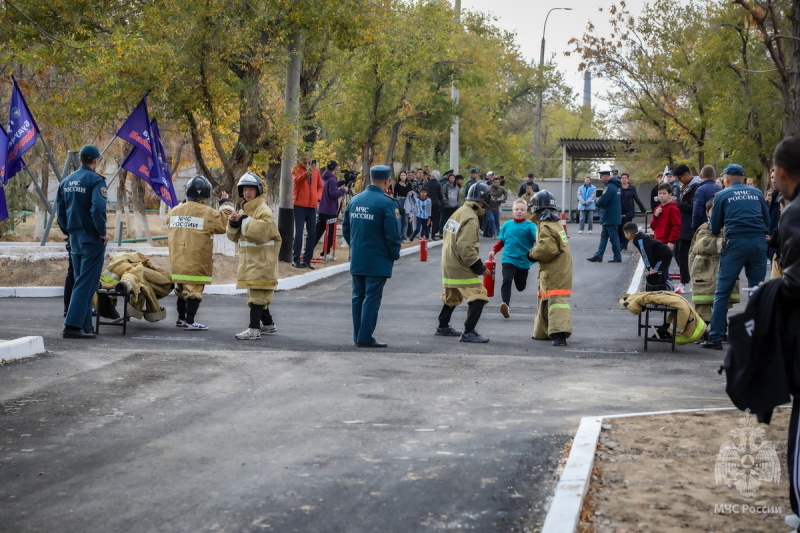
786 159
656 255
686 206
435 194
774 202
628 197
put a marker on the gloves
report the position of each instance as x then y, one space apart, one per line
477 267
238 223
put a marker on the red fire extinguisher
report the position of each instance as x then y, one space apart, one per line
488 277
423 249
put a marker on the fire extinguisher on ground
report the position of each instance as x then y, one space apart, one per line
423 249
488 277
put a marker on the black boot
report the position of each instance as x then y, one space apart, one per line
444 328
559 339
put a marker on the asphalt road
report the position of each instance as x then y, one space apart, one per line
166 430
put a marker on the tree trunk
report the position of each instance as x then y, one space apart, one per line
289 154
407 154
392 144
791 98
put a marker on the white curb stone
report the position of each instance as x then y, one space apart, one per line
21 348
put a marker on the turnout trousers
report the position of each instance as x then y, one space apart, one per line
552 316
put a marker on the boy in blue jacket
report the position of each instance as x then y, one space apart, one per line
518 236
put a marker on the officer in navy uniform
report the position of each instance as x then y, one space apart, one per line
371 227
744 214
81 207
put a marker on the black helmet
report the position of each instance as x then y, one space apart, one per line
479 192
543 204
198 188
250 179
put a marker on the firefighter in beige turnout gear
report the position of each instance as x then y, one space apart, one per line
255 230
192 226
553 317
462 266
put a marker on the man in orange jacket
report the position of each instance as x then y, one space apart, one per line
305 198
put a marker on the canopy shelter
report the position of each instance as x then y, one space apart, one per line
590 150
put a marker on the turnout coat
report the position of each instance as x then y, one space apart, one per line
460 249
259 243
704 266
555 260
690 325
192 226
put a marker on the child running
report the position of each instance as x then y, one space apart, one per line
517 235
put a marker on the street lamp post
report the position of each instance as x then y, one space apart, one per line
538 127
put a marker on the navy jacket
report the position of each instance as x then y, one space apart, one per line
742 210
81 204
371 227
434 191
611 204
705 192
686 207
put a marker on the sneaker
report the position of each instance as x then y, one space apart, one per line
590 232
580 231
249 334
679 289
504 310
473 336
180 323
195 327
711 345
792 520
269 329
447 332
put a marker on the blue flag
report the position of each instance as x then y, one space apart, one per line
164 188
136 129
148 164
3 206
22 133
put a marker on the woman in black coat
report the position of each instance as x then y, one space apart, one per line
628 198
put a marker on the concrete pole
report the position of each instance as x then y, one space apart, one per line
454 130
537 150
289 155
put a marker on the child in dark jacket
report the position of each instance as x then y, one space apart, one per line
656 255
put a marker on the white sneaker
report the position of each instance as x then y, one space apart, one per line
792 520
180 323
580 231
590 232
249 334
269 329
194 327
679 289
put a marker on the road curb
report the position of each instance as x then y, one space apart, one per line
565 508
21 348
284 284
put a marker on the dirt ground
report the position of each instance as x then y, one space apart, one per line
659 473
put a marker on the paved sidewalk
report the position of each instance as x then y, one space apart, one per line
171 430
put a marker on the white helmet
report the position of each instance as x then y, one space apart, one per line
250 179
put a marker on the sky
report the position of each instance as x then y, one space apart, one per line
526 18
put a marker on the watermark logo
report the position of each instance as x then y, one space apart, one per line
747 460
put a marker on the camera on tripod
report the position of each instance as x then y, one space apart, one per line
350 177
